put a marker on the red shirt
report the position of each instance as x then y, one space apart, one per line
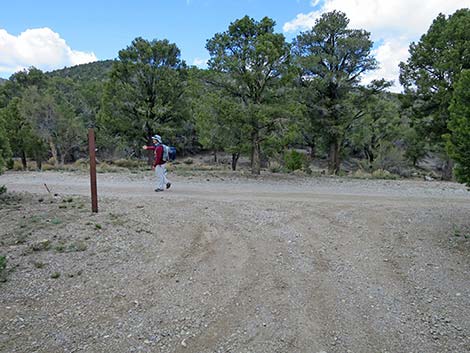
158 154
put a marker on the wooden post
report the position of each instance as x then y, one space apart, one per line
92 149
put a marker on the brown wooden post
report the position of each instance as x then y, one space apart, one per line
92 149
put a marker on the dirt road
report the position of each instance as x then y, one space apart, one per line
226 264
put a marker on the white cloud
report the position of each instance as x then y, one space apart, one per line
395 23
202 63
38 47
389 55
412 17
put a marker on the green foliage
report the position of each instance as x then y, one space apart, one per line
330 59
294 160
3 266
42 115
3 263
415 146
458 141
250 62
5 151
434 66
146 94
219 121
95 71
251 100
379 124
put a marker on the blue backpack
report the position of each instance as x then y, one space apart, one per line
169 153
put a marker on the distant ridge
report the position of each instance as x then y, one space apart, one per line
98 70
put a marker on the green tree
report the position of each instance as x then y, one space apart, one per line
219 125
19 81
458 141
379 125
53 121
5 151
331 59
145 92
22 138
251 61
72 112
430 74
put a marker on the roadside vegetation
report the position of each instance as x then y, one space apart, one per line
284 107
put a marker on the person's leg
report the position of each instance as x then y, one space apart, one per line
167 181
160 175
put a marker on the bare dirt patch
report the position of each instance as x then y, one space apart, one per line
227 264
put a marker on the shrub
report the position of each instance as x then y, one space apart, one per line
390 158
3 263
383 174
129 163
361 174
275 167
3 266
294 160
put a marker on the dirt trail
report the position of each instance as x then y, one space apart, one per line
237 265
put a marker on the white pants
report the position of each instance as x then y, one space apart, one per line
160 173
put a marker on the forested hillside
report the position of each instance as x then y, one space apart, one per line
98 70
285 106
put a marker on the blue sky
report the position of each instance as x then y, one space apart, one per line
53 34
105 27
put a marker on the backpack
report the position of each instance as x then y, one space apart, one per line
169 153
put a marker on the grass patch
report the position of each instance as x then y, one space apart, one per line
39 264
3 263
42 245
3 266
77 246
59 247
55 275
459 233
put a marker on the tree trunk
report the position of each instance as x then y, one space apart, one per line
334 161
255 154
312 152
369 155
53 152
215 156
23 160
39 162
447 172
150 154
235 157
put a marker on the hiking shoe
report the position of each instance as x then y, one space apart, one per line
168 185
158 190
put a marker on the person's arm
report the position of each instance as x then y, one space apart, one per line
152 148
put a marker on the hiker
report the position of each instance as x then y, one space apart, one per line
159 163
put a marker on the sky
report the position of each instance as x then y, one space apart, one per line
51 34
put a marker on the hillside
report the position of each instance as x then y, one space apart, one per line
97 70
